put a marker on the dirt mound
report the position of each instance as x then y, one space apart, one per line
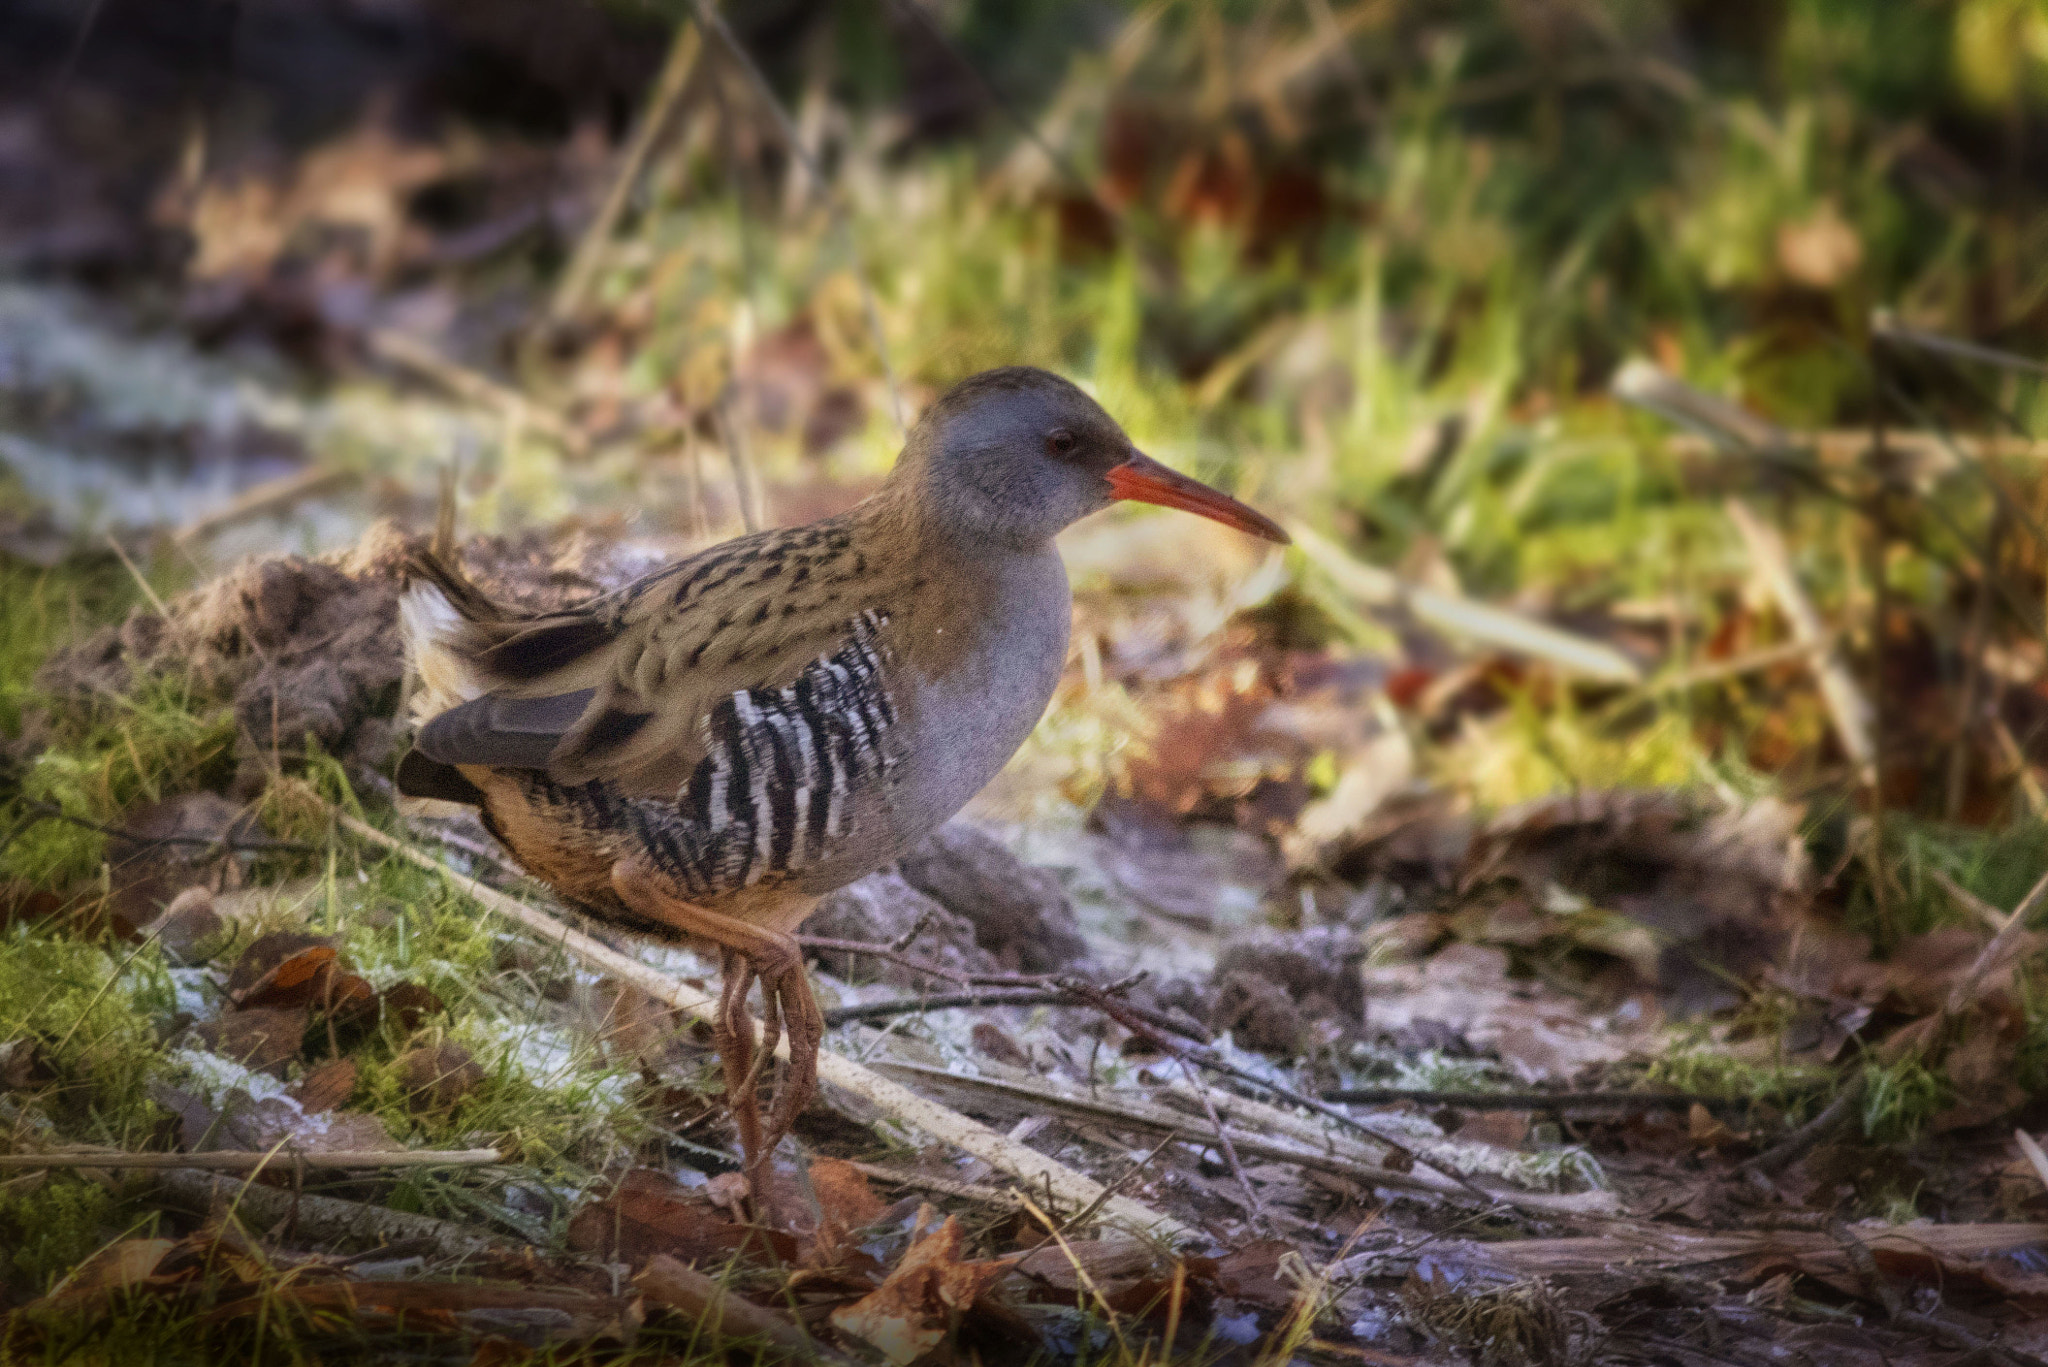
307 651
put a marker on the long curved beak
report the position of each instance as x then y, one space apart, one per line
1142 479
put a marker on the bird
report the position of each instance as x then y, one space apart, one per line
700 755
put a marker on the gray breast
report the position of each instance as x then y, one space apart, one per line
966 725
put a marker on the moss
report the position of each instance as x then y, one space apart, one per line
155 743
93 1017
40 610
1695 1063
1899 1098
49 1227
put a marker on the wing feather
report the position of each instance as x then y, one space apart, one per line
621 687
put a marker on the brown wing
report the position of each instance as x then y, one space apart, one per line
620 688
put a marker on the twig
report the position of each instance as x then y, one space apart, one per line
473 386
746 479
51 812
1214 1062
263 498
1955 1336
1794 1146
708 15
1964 992
1138 1114
1535 1101
1254 1207
237 1160
2031 1150
1067 985
939 1186
136 574
721 1314
1460 617
1847 707
874 1011
669 85
891 1098
1969 901
326 1219
1886 327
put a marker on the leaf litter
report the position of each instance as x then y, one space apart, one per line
1362 833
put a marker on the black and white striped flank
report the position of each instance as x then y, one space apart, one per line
774 790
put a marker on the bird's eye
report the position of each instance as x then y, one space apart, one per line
1061 442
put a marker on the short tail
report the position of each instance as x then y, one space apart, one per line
438 614
440 569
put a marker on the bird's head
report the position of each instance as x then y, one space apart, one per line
1017 455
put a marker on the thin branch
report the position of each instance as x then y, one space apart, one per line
227 845
945 1001
136 574
326 1219
269 496
1254 1207
891 1098
1535 1101
1886 328
239 1160
708 15
1137 1113
669 85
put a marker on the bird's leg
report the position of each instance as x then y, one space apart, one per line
733 1037
806 1030
749 952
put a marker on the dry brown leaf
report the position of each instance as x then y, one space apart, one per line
327 1086
844 1194
908 1314
437 1076
282 969
1821 250
262 1039
409 1004
649 1213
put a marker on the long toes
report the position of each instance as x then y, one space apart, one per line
806 1028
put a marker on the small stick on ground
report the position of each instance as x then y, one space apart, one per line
1846 705
270 496
581 272
1536 1101
325 1219
1254 1207
235 1160
891 1098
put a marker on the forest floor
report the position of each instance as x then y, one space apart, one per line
1604 931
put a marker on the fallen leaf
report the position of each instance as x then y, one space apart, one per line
648 1212
1820 250
190 930
437 1076
410 1004
327 1086
22 1065
282 969
1250 1275
908 1314
844 1194
261 1040
126 1264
